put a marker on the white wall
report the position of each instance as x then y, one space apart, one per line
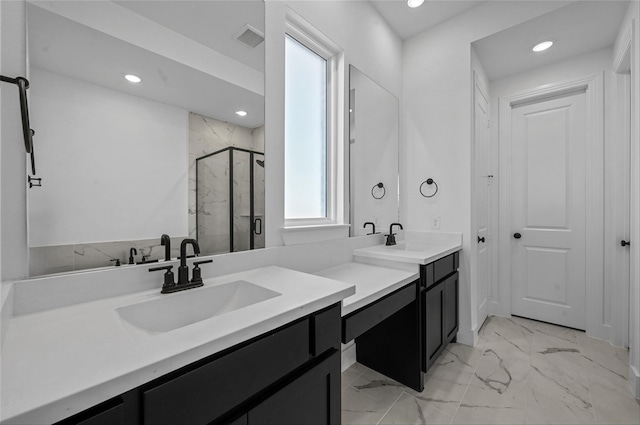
93 151
15 253
358 30
437 124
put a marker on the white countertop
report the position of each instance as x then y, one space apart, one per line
415 248
371 282
58 362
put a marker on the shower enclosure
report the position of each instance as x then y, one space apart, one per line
230 200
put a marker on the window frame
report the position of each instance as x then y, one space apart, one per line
310 38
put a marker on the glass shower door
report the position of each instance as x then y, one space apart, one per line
257 234
212 202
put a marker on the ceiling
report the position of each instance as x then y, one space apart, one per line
73 49
576 29
67 47
407 22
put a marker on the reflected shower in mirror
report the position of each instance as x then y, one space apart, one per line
373 154
119 156
230 174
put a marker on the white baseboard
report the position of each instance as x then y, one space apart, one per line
634 381
467 337
348 357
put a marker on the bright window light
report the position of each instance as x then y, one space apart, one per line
241 113
305 193
414 3
133 78
542 46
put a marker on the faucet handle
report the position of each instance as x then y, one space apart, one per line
391 239
197 276
168 277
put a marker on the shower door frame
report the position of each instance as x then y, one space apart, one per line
252 224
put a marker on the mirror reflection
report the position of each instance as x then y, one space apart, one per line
373 155
149 118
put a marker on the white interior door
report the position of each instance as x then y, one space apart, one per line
548 210
482 182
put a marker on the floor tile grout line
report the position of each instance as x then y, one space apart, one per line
390 407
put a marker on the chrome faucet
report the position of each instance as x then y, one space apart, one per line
391 237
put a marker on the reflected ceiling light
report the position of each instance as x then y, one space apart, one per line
133 78
542 46
414 3
241 113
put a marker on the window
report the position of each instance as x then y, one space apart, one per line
305 132
312 109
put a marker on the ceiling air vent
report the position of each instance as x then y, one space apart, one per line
249 36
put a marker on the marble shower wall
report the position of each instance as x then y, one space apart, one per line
207 135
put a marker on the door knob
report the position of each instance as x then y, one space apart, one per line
625 243
480 239
517 235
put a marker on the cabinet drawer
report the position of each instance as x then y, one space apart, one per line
439 269
207 392
360 321
325 328
108 413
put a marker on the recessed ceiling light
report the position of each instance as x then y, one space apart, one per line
241 113
542 46
133 78
414 3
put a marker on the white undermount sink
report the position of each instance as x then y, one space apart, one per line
173 311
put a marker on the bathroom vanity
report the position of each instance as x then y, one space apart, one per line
255 346
405 310
290 375
260 346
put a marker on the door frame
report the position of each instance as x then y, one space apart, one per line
593 86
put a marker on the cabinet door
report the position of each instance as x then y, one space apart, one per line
311 399
451 307
213 388
434 308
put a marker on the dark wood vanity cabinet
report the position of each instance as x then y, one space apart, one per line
287 376
388 334
439 282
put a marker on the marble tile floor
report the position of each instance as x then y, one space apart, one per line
521 372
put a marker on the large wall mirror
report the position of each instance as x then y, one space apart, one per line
373 154
180 152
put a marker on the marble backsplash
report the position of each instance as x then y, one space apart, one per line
46 260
